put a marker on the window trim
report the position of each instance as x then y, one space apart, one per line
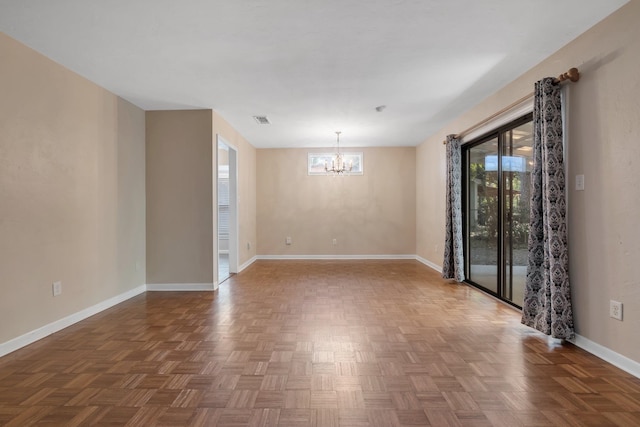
513 114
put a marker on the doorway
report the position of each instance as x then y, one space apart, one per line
226 204
497 187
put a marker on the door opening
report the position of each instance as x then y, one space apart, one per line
226 205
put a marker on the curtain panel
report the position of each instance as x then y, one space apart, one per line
547 298
453 264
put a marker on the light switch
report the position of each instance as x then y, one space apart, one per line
579 182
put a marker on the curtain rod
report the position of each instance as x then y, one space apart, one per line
572 75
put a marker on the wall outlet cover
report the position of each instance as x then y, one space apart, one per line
56 288
615 309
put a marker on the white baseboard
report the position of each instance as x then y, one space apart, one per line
428 263
332 257
53 327
608 355
169 287
247 264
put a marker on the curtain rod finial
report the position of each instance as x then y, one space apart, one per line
572 75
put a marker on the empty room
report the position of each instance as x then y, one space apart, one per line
319 213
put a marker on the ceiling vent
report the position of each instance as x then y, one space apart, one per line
262 120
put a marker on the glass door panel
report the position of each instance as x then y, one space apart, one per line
517 161
483 214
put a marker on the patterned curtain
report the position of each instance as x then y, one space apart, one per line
453 264
547 298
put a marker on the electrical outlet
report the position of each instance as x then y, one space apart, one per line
287 240
335 242
248 246
57 288
615 309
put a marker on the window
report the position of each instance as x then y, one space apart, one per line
316 162
223 202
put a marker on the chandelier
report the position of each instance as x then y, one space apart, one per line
338 164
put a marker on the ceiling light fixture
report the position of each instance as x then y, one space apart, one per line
338 165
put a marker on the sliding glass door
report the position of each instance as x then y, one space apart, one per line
497 187
482 218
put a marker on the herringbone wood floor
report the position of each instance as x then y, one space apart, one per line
357 343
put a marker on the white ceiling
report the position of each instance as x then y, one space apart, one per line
311 66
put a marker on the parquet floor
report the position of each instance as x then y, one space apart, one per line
324 343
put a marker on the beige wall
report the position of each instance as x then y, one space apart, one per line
71 192
180 193
372 214
604 130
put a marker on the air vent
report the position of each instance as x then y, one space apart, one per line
262 120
